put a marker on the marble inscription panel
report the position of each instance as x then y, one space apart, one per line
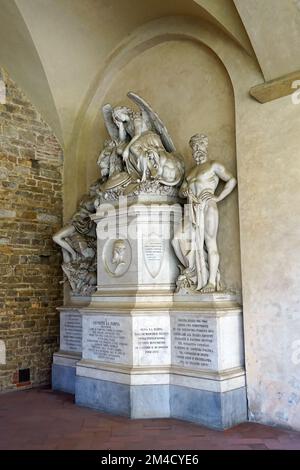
151 341
71 332
153 254
194 342
106 339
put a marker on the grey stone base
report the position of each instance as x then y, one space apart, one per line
135 401
211 409
63 378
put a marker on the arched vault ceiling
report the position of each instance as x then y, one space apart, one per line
19 56
273 27
54 49
224 14
74 37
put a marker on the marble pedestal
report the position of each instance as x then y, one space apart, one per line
207 375
141 351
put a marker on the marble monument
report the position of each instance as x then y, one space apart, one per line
159 333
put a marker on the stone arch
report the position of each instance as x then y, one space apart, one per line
227 55
243 71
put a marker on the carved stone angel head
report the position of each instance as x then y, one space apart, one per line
122 114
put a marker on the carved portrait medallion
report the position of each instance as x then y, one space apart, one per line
117 257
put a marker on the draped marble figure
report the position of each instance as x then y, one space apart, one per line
144 143
138 157
196 246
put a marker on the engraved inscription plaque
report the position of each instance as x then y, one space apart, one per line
153 254
106 339
151 341
194 342
71 332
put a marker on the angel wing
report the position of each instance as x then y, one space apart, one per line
154 120
111 127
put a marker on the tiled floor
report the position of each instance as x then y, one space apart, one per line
42 419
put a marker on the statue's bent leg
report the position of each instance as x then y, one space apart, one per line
59 237
211 223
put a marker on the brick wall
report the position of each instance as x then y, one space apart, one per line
31 166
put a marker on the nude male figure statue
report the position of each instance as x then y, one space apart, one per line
197 248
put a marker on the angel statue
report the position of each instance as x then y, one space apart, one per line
144 143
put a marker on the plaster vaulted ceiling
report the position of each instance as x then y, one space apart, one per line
273 27
19 55
54 49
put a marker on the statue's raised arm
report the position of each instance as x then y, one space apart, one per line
111 127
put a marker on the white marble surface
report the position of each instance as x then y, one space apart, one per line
223 383
107 338
143 347
71 330
151 340
194 341
230 342
137 340
207 341
85 369
148 259
68 360
208 382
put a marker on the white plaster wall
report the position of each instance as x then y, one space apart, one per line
269 197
